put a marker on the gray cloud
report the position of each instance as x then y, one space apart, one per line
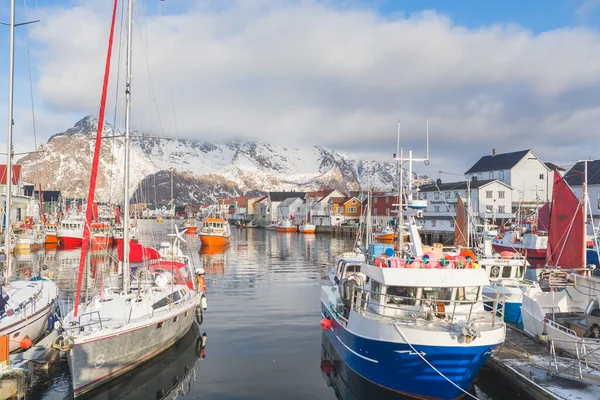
311 73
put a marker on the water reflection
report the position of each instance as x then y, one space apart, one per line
170 375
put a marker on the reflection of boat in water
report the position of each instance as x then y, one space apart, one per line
215 249
346 383
168 375
214 263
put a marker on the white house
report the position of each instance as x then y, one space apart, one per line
487 199
529 177
275 199
291 208
20 202
318 202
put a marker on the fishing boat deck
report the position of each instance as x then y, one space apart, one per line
528 364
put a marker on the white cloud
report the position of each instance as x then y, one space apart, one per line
304 72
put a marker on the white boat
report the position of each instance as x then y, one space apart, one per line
531 243
26 306
29 236
287 225
409 327
70 231
121 328
564 308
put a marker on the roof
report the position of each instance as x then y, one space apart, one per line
497 162
575 175
426 277
15 177
553 166
281 196
226 201
320 193
242 201
338 200
289 201
462 185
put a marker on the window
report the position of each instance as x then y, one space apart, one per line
160 325
424 196
492 175
501 194
375 200
447 195
451 224
541 176
469 293
433 223
351 209
444 293
387 199
176 318
489 209
501 209
489 194
436 195
501 175
375 211
456 194
376 290
479 176
506 272
436 208
402 292
298 209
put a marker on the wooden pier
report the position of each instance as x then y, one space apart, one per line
528 365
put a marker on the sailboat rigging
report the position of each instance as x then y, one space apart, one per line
121 328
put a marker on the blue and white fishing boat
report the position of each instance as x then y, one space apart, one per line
407 326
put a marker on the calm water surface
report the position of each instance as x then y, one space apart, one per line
262 338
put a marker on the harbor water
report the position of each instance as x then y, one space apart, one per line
260 337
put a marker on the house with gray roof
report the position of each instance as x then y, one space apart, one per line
529 177
575 178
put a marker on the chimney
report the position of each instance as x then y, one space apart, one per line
493 152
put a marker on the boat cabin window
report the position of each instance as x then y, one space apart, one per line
506 272
469 293
376 290
402 292
443 293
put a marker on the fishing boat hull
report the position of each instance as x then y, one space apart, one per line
70 241
97 360
539 254
384 237
51 238
213 240
32 322
190 228
101 242
396 366
307 228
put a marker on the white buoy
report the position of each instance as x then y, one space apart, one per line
203 302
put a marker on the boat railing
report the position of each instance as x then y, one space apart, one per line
584 351
78 326
487 309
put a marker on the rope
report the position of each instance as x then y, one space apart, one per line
432 367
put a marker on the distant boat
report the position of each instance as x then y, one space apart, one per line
189 225
287 226
385 234
214 231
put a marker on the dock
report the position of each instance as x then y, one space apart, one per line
25 366
528 364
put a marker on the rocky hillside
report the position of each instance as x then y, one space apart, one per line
202 170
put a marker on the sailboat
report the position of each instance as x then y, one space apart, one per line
25 305
566 306
121 328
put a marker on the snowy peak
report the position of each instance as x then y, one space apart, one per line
203 170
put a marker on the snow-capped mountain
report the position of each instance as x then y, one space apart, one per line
202 171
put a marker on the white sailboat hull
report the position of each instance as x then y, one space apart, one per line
95 360
29 320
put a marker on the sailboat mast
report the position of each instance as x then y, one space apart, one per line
585 195
127 155
399 168
11 83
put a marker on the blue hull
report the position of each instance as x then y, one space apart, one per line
395 366
512 313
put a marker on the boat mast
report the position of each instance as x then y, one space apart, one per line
400 205
585 195
127 145
11 83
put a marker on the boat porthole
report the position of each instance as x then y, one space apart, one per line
160 325
176 318
186 313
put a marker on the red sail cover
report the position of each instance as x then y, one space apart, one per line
138 253
543 221
460 228
565 232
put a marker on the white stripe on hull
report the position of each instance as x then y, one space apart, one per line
94 362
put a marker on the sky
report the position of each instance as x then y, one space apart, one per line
505 75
